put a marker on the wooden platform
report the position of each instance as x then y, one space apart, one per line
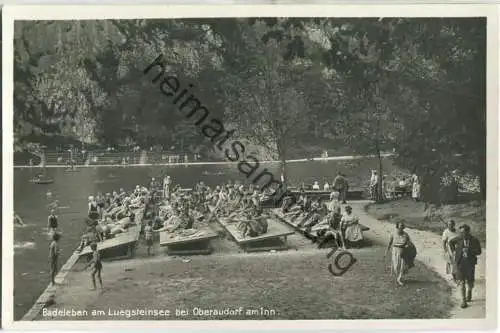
295 223
122 245
195 244
274 239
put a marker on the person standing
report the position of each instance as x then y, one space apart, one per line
415 191
93 208
96 265
374 186
52 223
148 236
448 234
54 252
465 248
340 185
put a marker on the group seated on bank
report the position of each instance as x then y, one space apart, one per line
112 214
322 221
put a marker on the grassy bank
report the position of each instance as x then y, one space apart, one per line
290 285
413 214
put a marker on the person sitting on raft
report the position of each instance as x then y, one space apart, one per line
301 206
329 229
353 234
253 224
334 204
185 221
288 202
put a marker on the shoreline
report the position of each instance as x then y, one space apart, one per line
333 158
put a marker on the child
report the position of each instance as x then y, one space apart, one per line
54 252
96 265
148 235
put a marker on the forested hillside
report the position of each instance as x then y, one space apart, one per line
289 86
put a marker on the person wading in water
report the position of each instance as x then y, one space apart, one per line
52 222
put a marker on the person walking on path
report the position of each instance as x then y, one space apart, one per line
403 253
466 249
54 252
448 234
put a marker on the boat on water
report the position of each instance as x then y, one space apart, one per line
41 180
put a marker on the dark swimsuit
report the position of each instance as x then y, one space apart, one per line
53 222
93 214
101 203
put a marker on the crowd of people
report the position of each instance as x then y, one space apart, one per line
234 202
324 221
112 213
393 187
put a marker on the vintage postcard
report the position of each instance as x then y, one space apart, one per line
293 166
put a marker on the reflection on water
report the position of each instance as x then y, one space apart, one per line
71 190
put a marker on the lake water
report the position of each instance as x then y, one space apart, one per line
73 188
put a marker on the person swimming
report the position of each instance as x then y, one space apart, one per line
18 220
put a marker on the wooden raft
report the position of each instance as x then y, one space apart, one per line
274 239
178 244
122 245
295 222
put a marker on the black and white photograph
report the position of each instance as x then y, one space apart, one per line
265 165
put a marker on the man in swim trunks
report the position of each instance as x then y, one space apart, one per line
54 257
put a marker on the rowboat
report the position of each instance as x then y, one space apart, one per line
42 180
